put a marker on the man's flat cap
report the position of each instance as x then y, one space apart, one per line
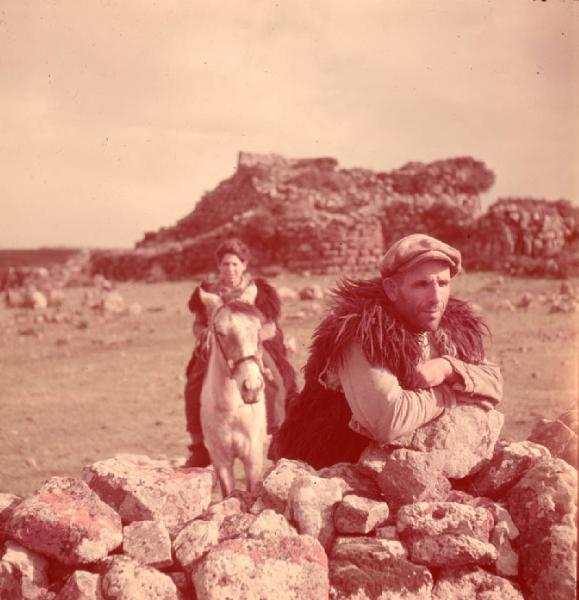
414 249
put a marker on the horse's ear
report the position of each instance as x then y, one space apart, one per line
267 331
210 301
249 294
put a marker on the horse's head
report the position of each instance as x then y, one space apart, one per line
237 332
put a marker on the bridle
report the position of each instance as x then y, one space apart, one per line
232 364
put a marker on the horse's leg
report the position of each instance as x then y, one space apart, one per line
226 478
253 466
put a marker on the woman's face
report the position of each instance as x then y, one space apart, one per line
231 270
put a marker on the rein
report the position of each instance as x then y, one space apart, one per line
232 364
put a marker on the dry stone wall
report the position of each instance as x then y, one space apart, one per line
502 526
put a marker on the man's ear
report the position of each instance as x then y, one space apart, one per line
390 288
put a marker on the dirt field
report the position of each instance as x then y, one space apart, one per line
72 393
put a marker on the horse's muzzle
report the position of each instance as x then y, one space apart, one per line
251 394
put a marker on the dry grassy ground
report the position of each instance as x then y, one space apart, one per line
70 395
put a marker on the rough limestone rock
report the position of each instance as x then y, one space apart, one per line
543 505
435 518
463 436
235 526
286 293
359 515
311 505
32 567
81 585
270 524
559 436
544 495
451 550
509 463
148 542
218 511
113 303
446 533
142 489
357 481
67 521
412 476
292 567
278 481
499 513
311 292
193 541
126 579
372 460
366 568
474 584
507 563
387 533
347 547
549 565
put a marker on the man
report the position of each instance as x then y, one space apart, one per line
390 356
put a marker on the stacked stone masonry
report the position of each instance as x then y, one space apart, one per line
136 528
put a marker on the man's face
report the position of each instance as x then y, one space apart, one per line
231 270
421 294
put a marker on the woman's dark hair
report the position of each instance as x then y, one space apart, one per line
233 246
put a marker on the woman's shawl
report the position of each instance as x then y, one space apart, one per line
316 429
267 300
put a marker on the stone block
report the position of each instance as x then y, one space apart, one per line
474 583
143 489
411 476
67 521
311 505
293 567
126 579
358 515
148 542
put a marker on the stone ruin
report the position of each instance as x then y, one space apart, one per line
524 236
310 215
450 512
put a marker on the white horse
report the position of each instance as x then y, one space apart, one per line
233 408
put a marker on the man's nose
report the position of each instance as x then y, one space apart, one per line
435 294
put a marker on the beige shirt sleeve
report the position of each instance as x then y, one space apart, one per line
482 381
381 409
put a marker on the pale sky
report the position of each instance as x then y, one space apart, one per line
116 116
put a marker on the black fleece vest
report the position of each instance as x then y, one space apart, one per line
316 429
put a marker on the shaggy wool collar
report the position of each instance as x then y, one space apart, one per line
360 312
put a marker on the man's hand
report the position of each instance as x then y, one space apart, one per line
433 372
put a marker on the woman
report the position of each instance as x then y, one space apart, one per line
232 259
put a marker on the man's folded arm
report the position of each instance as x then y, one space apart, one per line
483 380
381 408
